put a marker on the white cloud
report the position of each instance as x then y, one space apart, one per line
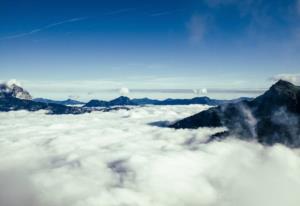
124 91
117 158
200 91
12 82
204 91
196 28
293 78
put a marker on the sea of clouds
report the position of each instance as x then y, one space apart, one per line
122 158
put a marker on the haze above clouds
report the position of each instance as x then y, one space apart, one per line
120 158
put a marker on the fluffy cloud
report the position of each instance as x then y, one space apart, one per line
204 91
124 91
293 78
119 158
12 82
200 91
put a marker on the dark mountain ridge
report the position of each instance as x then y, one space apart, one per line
122 101
10 103
271 118
14 98
63 102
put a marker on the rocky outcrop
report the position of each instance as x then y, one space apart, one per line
12 88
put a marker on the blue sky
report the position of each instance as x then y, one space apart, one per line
104 45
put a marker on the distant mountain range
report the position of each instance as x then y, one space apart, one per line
125 101
63 102
13 97
11 103
271 118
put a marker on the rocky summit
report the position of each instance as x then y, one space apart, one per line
273 117
12 88
13 97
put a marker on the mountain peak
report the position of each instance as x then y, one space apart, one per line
122 98
13 88
282 84
280 91
273 117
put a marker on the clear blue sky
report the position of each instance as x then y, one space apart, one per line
225 44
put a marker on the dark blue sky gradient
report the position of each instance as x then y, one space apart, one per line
176 44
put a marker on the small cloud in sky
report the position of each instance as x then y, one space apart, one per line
204 91
12 82
124 91
200 91
293 78
196 28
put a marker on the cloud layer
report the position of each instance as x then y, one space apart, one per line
119 158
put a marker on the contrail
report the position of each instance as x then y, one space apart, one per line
43 28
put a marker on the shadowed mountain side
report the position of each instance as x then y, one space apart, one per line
271 118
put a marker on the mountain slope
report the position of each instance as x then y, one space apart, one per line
271 118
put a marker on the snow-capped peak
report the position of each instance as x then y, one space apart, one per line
14 89
12 82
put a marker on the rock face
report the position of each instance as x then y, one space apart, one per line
12 89
271 118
